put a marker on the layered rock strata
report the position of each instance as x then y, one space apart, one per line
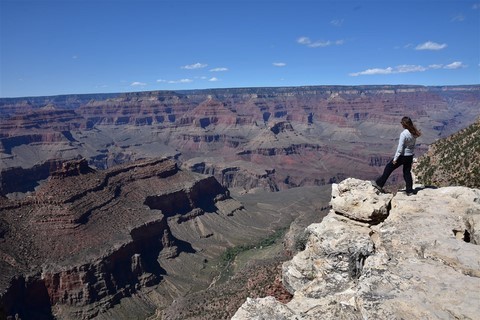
308 135
418 259
86 239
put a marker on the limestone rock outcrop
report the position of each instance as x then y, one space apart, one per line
422 261
359 201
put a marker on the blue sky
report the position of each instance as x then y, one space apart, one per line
73 46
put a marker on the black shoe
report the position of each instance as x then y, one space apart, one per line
376 186
410 193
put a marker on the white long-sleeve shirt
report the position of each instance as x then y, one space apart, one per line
406 144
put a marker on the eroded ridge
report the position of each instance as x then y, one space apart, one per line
86 239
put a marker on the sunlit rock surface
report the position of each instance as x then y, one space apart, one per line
421 262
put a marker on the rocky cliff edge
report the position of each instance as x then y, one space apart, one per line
385 256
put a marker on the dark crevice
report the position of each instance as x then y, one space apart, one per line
462 235
356 262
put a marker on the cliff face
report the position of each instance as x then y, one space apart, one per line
86 239
381 256
454 160
278 137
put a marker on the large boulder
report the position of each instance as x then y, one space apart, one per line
360 201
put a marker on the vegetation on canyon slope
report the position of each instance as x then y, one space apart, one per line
454 160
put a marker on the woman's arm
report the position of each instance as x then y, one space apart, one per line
400 147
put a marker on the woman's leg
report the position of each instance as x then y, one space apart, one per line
389 168
407 174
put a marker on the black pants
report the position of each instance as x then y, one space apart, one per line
406 162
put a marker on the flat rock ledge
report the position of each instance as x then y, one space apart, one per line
383 256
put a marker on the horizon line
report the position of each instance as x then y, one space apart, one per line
238 88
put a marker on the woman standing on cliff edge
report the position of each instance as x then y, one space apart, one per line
403 156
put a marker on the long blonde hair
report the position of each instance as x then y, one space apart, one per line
407 123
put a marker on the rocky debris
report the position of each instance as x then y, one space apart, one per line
421 262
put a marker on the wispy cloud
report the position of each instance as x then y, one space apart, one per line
476 6
430 45
279 64
458 18
175 81
337 22
181 81
373 71
407 68
213 79
435 66
455 65
138 84
218 69
315 44
197 65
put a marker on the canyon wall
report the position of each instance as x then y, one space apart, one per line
86 239
278 138
88 242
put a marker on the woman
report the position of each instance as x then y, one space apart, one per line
403 156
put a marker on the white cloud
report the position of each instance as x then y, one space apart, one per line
458 18
181 81
304 40
315 44
213 79
454 65
218 69
476 6
407 68
197 65
372 72
279 64
430 45
404 68
138 84
435 66
337 22
186 80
